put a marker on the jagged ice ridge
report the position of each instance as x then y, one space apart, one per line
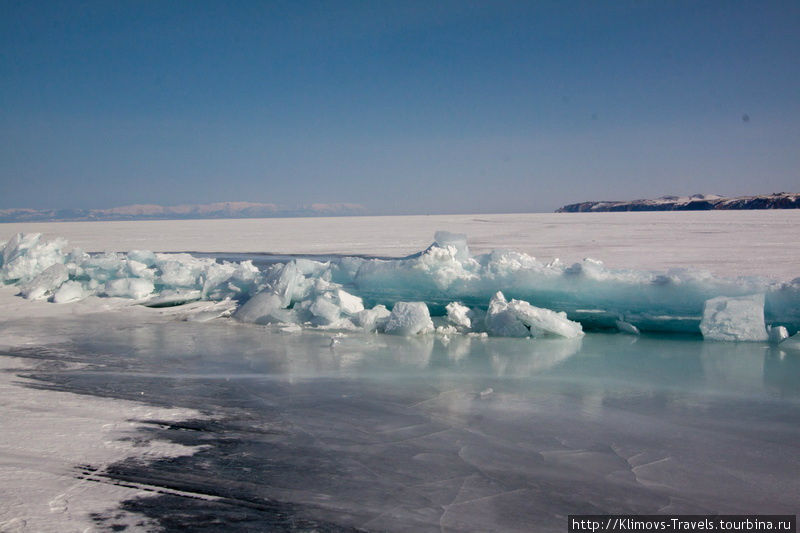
443 289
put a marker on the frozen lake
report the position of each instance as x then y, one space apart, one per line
388 433
728 243
119 415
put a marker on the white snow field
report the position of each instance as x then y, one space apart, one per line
459 386
727 243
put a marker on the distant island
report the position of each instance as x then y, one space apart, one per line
189 211
696 202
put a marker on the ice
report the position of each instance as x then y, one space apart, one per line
180 270
502 321
335 308
45 283
173 297
457 241
373 319
145 257
349 304
520 319
140 270
491 433
25 257
103 268
229 280
588 291
626 327
409 318
348 292
289 280
17 245
792 343
777 334
734 319
325 311
70 291
458 316
264 308
135 288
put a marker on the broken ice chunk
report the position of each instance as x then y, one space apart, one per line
325 310
409 318
45 283
373 319
24 257
501 321
458 316
349 304
140 270
179 270
70 291
734 319
521 319
136 288
264 308
145 257
173 297
443 239
777 334
545 321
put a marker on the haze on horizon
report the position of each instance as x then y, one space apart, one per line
402 107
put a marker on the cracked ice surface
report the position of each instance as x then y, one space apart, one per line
390 433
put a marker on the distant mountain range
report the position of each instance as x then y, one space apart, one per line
195 211
696 202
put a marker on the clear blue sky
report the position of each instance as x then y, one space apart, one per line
404 107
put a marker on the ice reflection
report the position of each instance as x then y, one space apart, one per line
782 373
734 366
508 359
613 363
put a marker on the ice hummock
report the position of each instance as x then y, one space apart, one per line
443 288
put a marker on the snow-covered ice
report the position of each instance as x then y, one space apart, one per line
409 318
727 243
46 434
